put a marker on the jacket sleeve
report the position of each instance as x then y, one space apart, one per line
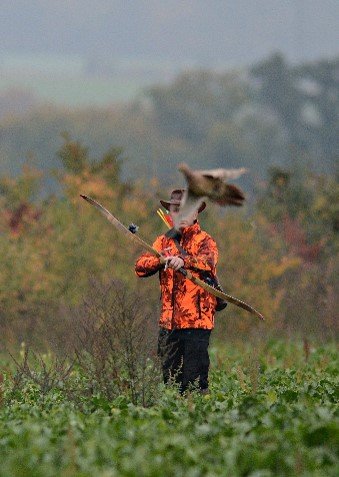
206 257
148 264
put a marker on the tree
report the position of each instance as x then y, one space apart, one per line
195 101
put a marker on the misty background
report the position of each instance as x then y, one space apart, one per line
209 82
78 52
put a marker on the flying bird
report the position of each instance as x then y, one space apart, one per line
209 184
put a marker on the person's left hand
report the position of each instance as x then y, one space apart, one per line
175 262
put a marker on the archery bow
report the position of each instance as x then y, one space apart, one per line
139 241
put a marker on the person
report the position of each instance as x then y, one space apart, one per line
187 310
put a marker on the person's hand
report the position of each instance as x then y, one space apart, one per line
174 262
162 260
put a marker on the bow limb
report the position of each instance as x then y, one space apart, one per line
223 295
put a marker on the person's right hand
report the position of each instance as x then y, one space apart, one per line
174 261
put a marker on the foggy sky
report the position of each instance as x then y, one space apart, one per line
204 32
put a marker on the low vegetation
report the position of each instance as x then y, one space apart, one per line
272 411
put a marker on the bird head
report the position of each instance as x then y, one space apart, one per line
183 167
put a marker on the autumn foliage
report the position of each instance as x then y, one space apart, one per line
276 258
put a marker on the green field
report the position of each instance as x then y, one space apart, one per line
272 411
75 91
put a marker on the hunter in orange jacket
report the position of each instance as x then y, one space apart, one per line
187 314
184 304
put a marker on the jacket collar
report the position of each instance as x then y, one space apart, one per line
191 230
186 233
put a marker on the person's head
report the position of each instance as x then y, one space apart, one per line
173 206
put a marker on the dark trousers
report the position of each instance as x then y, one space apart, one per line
184 357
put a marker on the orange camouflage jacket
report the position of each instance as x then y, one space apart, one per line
184 304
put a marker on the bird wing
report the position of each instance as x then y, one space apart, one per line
232 195
223 174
